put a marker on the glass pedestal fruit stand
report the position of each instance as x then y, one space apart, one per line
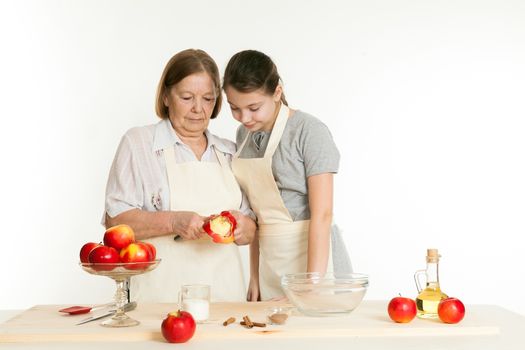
120 273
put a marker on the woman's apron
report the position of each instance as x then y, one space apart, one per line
283 243
205 188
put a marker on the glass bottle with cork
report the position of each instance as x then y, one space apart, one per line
429 297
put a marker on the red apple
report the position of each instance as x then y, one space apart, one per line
104 255
136 253
85 250
152 249
178 327
451 310
119 236
401 309
220 227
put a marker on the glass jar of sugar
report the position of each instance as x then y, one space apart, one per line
195 299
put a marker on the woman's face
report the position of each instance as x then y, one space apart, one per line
190 104
256 110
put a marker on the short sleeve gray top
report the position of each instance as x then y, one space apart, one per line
306 148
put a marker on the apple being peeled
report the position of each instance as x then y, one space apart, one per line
136 253
402 310
451 310
178 327
104 255
119 237
86 249
220 227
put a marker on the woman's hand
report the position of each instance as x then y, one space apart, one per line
254 293
188 225
245 231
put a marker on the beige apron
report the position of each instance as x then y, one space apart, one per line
205 188
283 243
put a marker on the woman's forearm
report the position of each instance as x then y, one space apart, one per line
145 224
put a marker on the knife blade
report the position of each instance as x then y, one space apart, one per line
126 307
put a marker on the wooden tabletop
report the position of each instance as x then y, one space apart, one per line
484 327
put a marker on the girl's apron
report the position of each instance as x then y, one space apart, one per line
283 243
205 188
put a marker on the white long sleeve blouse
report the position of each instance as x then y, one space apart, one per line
138 178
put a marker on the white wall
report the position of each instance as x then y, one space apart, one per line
424 99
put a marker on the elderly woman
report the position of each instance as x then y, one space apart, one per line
166 178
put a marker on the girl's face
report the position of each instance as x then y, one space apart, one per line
256 110
190 104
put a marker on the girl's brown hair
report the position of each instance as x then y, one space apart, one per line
252 70
180 66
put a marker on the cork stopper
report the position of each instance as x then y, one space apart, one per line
432 255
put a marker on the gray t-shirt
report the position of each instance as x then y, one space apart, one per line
306 149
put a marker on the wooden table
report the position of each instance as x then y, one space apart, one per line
368 327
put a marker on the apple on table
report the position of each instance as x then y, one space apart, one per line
178 327
402 309
451 310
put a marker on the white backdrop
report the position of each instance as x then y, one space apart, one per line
425 100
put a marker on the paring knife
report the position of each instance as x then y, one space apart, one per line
126 307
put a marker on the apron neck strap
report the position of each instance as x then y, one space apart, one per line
275 136
242 145
220 157
277 131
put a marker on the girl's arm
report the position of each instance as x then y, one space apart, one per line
253 287
320 200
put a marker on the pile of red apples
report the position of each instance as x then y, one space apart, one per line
119 246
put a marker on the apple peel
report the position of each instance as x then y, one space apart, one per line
221 227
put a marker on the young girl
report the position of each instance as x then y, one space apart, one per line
285 163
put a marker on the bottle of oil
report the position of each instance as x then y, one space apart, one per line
429 297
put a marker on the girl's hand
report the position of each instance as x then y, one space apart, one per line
245 230
253 290
187 225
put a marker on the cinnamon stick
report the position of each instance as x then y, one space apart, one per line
255 324
228 321
247 321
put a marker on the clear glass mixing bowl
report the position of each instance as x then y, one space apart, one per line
315 294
